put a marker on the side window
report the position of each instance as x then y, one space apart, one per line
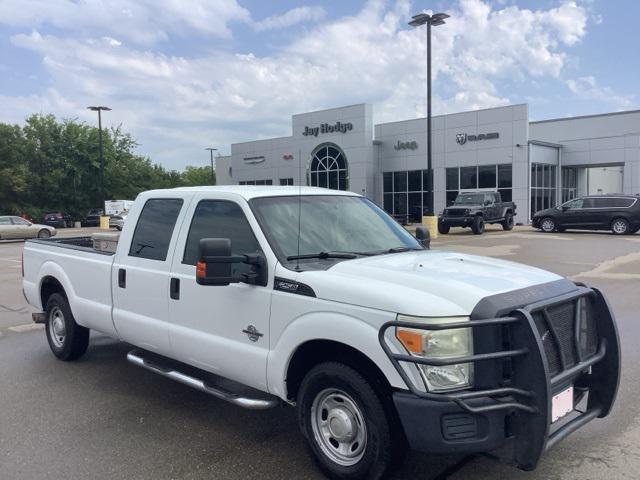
220 219
590 203
19 221
5 221
154 229
574 204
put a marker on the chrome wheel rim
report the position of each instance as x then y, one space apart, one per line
619 226
548 225
57 328
44 234
338 427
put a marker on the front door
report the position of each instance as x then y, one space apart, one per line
221 329
573 214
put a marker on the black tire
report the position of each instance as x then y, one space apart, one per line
443 228
382 445
44 233
478 225
548 225
507 223
68 340
620 226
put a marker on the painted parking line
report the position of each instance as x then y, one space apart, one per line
27 327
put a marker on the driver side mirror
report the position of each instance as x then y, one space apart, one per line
424 237
215 262
487 203
564 208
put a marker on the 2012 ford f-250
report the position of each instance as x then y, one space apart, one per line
317 298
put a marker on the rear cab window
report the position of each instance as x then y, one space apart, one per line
155 228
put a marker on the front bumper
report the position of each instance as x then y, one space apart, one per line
456 221
511 404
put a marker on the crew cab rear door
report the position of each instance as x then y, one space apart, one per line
140 275
210 326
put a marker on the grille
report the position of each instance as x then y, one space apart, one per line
456 212
557 331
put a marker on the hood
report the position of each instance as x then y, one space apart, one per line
546 211
463 207
425 283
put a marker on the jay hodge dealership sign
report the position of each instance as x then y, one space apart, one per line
337 127
463 138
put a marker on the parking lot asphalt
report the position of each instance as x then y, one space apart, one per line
103 418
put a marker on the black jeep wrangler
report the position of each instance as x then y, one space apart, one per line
474 210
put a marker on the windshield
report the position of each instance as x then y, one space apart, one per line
469 199
329 223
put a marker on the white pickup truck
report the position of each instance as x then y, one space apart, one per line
316 298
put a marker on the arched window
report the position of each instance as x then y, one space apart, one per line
329 168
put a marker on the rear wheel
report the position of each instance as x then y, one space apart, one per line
44 233
348 430
68 340
478 225
443 228
547 225
507 223
620 226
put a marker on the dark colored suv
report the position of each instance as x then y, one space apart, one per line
58 219
618 213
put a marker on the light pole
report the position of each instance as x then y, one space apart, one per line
211 150
429 20
99 109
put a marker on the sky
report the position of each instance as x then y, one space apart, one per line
182 75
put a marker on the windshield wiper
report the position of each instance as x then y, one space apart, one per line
324 255
392 250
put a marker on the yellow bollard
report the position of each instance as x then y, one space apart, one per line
104 222
431 222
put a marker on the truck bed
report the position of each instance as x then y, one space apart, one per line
75 243
83 272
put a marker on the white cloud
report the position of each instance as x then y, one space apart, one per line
176 105
142 21
290 18
587 88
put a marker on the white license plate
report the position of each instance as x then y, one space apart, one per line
561 404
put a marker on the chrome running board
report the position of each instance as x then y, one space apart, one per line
170 371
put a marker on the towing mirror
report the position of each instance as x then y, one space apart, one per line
215 262
424 237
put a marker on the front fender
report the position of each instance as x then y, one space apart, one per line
333 326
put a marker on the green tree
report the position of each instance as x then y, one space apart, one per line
49 165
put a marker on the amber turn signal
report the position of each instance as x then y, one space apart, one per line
201 270
411 340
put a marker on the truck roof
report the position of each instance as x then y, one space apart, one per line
253 191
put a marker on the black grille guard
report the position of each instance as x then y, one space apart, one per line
527 396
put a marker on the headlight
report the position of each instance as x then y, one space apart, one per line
439 344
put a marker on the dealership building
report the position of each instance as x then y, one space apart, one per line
535 164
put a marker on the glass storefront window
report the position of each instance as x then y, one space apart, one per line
452 179
468 178
505 176
543 187
487 176
405 194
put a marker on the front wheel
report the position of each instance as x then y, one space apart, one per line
478 225
443 228
44 233
620 226
547 225
68 340
347 428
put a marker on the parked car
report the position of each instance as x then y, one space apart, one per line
380 343
475 210
58 220
117 221
93 218
618 213
12 227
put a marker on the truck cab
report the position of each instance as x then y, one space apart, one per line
318 299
